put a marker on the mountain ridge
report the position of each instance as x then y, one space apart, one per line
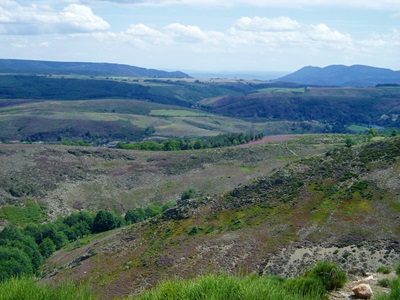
20 66
341 75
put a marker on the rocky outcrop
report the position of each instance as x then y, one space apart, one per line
355 259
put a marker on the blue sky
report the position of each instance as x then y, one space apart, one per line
204 35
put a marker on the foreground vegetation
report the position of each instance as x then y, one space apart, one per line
314 284
26 288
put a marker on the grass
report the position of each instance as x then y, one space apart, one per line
28 289
312 285
384 270
31 213
394 291
357 128
282 90
217 287
176 113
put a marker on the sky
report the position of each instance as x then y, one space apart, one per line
204 35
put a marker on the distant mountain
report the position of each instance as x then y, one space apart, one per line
339 75
81 68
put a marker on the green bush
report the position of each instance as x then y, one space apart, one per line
384 282
384 270
330 275
47 247
105 220
193 230
188 194
398 269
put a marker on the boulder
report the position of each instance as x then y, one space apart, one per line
363 291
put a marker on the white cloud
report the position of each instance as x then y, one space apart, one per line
246 31
141 33
247 34
266 24
41 19
367 4
186 33
283 31
322 32
391 39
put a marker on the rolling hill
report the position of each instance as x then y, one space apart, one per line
326 105
68 177
340 75
342 206
16 66
274 206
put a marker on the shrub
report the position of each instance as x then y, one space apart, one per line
193 230
398 269
135 216
47 247
188 194
330 275
384 270
384 282
104 221
152 210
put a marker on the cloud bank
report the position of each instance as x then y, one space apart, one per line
16 19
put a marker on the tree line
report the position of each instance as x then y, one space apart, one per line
222 140
24 250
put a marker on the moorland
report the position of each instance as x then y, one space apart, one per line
260 180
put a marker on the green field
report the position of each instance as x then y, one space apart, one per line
177 113
358 128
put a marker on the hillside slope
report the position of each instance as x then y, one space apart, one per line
17 66
67 178
339 75
342 206
340 106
